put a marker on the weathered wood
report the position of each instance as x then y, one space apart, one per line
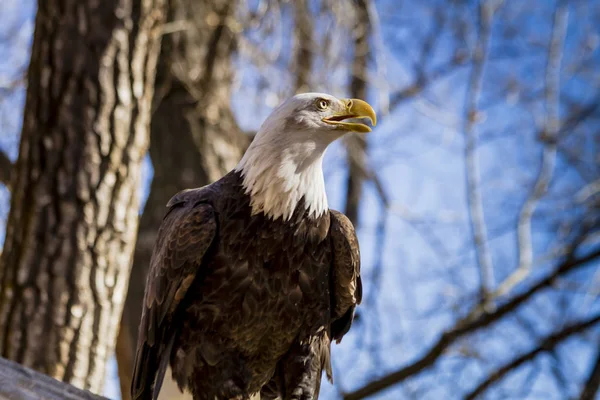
21 383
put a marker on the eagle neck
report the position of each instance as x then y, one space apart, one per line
278 180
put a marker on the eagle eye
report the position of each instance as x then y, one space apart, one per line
322 104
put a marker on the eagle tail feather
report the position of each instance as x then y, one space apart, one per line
162 368
141 386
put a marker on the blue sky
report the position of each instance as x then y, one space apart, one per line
421 274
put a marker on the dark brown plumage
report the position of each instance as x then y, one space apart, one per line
234 301
253 276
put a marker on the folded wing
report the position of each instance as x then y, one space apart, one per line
184 238
346 284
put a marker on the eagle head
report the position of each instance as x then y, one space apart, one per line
283 164
318 116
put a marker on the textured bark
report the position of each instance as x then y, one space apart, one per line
194 137
74 210
6 169
356 144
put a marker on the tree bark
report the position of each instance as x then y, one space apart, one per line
194 137
74 211
356 145
6 169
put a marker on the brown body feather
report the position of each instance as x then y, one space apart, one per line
238 303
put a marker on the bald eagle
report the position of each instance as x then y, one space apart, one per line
253 276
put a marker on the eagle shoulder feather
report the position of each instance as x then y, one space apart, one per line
346 281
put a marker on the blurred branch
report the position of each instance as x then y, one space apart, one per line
9 88
356 145
547 344
582 113
430 41
577 116
593 382
549 137
303 31
6 168
586 192
422 82
473 322
423 79
474 197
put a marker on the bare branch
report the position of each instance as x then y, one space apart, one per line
547 344
474 198
593 382
422 83
424 79
549 136
473 322
8 88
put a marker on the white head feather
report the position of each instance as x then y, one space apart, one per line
284 161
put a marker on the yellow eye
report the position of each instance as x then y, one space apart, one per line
322 104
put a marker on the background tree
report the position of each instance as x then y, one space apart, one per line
194 136
73 216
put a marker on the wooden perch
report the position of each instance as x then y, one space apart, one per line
21 383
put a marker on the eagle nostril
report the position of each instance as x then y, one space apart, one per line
349 103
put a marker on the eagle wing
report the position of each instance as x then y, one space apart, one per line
186 234
346 284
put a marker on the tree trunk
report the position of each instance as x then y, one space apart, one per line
356 144
194 137
303 46
6 169
74 211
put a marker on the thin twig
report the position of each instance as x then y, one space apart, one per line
547 344
551 129
421 84
474 197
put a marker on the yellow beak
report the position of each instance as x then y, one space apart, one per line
354 108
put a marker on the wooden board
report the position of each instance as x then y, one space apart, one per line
20 383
